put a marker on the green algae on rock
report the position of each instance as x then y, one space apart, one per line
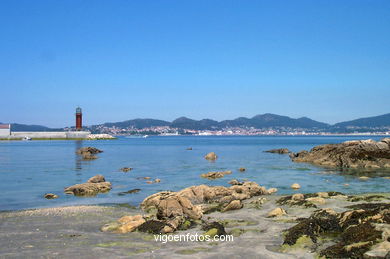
357 229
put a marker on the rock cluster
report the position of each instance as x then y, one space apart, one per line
362 231
88 153
215 175
279 151
309 200
93 186
173 209
349 154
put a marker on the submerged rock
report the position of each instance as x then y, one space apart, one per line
126 169
235 182
279 151
50 196
95 185
129 192
349 154
241 169
211 156
215 175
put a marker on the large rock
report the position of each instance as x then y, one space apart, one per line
349 154
95 185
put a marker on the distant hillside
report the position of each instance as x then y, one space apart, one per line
262 121
267 120
24 127
138 123
186 123
376 121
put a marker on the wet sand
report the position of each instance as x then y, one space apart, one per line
75 232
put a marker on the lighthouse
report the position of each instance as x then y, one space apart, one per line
79 120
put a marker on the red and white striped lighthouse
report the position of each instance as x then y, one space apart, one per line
79 119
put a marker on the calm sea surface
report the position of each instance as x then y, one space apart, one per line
29 169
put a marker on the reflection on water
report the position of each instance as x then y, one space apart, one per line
29 169
78 145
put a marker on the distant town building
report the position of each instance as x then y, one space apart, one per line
5 130
79 119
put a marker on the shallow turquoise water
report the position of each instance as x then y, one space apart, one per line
29 169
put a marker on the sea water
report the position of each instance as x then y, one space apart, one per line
29 169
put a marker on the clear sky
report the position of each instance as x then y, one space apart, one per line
328 60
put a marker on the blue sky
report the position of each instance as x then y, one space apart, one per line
328 60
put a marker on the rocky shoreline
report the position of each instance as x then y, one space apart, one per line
326 225
366 154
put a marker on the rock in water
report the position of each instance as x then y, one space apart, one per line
91 150
272 190
279 151
129 192
211 156
215 175
88 153
349 154
295 186
235 182
126 169
50 196
94 185
241 169
96 179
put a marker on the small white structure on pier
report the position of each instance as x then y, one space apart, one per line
5 130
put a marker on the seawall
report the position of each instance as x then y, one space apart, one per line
48 135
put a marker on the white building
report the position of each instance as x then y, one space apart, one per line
5 130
